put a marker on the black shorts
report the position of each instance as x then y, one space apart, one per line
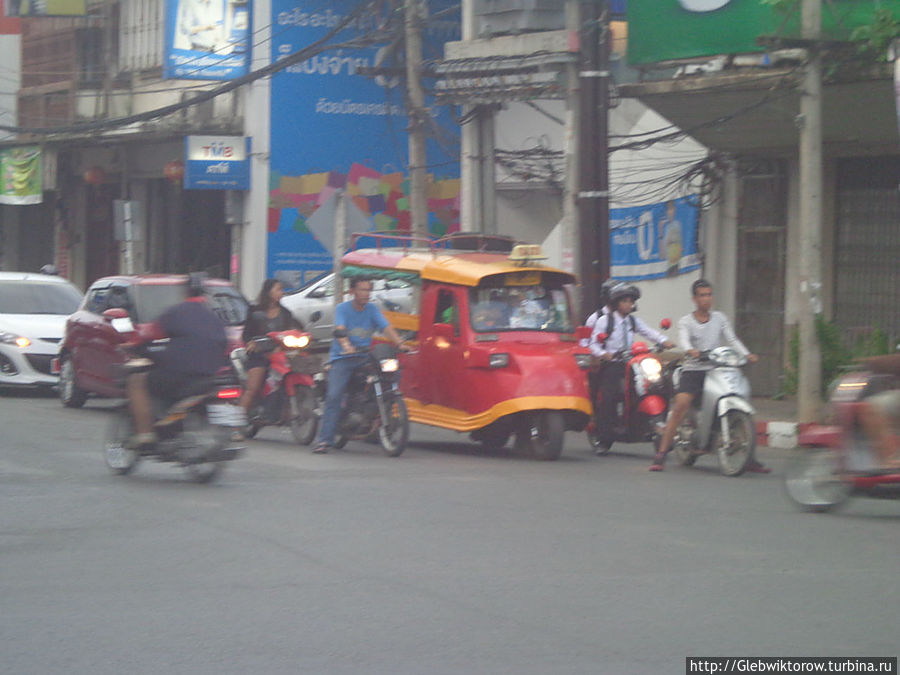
691 382
257 360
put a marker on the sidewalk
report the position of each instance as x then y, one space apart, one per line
776 422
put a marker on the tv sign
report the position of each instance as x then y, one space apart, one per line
216 163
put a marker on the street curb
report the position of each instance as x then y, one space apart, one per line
778 434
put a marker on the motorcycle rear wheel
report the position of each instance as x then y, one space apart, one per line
734 458
198 438
812 481
394 436
119 459
303 419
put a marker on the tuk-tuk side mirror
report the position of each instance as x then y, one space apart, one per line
443 330
583 333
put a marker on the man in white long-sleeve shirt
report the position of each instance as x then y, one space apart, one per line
613 333
701 330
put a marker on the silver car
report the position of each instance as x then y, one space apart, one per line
313 305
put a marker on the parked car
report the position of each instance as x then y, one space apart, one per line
33 311
90 353
391 295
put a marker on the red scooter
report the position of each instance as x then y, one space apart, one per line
641 410
838 460
288 397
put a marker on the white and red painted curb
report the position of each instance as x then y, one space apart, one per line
778 434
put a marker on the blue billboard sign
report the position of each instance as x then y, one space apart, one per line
206 39
654 241
216 163
335 131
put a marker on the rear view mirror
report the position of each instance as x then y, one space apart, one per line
665 324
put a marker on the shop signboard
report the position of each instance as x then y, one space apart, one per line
216 163
20 175
45 7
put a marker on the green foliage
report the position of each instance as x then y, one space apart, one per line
876 37
835 351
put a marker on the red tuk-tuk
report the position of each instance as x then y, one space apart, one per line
497 351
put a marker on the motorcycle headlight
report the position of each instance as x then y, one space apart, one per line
651 369
13 339
389 365
583 361
296 341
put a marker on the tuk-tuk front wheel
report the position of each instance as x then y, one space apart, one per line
542 435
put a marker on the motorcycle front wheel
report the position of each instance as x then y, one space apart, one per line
394 436
813 481
304 421
119 459
734 457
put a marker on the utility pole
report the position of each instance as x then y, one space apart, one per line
594 154
809 385
417 118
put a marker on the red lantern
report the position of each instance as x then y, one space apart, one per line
94 175
174 171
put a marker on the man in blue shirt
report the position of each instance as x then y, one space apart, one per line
361 320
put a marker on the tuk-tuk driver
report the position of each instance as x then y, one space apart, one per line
359 319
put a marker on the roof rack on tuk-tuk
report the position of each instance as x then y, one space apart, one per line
458 241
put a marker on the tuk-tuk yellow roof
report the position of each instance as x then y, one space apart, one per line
465 268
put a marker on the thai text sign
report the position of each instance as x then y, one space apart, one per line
216 163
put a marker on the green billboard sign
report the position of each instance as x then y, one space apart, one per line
664 30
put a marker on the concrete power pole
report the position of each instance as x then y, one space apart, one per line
594 153
417 118
809 384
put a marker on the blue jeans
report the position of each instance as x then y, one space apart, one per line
338 376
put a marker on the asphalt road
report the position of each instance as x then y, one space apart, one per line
444 560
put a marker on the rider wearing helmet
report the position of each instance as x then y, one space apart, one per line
609 337
195 349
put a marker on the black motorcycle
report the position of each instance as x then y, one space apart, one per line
373 405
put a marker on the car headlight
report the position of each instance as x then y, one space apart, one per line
296 341
389 365
498 360
583 361
652 369
13 339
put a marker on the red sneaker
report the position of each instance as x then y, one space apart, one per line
756 467
658 462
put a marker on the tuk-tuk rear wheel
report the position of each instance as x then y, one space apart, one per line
542 437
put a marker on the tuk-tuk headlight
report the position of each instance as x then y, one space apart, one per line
651 369
583 361
389 365
498 360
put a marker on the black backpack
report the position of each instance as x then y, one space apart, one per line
609 327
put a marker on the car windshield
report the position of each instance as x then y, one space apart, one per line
38 297
152 300
520 308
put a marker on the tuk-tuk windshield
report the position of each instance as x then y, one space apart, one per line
520 308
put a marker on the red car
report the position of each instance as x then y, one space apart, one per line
90 350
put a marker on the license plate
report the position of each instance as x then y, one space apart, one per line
226 415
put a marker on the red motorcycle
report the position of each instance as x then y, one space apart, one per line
643 403
288 397
838 461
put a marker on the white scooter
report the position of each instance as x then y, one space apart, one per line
721 420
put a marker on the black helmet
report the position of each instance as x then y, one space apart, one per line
195 284
622 290
605 288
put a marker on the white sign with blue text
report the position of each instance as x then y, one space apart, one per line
217 163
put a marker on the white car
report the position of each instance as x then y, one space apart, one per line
313 306
33 311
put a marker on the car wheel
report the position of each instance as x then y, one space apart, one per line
69 392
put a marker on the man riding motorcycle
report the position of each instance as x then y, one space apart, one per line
360 319
196 348
613 333
880 413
